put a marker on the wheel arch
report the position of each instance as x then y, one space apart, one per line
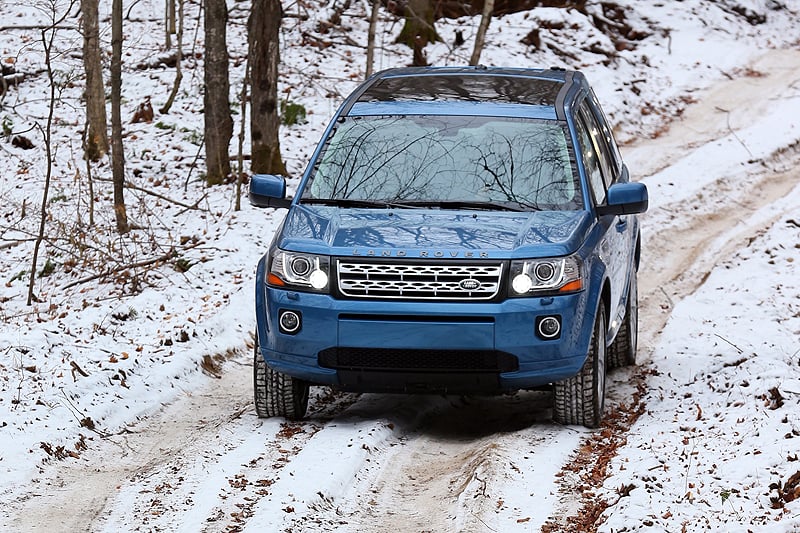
605 300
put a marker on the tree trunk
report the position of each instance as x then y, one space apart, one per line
373 22
117 154
169 15
216 103
418 29
47 42
97 124
178 59
264 55
240 151
488 7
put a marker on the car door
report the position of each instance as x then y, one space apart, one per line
605 168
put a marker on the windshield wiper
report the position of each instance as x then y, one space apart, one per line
414 204
468 204
346 202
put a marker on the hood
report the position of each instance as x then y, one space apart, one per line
433 233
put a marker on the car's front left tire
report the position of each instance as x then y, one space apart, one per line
275 393
580 399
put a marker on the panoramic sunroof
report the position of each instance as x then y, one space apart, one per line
464 87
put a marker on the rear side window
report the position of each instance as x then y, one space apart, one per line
604 157
591 162
613 148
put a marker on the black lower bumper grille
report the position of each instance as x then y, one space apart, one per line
403 360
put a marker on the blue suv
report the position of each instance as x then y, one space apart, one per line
457 230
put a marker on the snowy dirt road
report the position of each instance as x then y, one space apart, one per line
418 463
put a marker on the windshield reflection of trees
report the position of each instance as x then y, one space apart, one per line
419 159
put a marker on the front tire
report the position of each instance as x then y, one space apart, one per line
622 351
275 393
580 400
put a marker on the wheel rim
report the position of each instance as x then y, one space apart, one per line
634 323
600 361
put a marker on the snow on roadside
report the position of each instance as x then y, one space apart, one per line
720 437
81 369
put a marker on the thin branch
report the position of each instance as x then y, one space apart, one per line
45 27
138 264
162 197
194 163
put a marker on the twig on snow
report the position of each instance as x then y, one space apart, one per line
729 342
147 262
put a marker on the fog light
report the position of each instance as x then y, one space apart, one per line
289 322
548 327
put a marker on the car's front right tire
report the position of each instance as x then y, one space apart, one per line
580 400
275 393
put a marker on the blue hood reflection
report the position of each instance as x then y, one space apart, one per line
440 233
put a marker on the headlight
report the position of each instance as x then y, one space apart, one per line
539 276
294 270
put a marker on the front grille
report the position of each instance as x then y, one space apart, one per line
414 281
417 360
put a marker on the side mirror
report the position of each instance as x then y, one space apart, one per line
625 199
267 190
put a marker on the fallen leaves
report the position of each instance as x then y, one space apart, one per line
289 430
592 462
211 367
61 452
775 400
77 369
786 492
58 452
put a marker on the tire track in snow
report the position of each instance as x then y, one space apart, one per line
684 239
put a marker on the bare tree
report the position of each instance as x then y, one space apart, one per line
117 154
97 124
178 60
373 22
240 151
480 38
264 55
48 35
169 27
216 102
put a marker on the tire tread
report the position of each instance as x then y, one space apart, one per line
276 393
574 398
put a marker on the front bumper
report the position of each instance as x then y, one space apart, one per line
419 346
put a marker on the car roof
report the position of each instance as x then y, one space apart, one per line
538 93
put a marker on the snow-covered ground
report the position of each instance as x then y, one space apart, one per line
708 105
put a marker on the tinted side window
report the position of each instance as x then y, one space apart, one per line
607 133
598 140
590 160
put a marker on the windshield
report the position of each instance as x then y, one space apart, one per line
448 160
